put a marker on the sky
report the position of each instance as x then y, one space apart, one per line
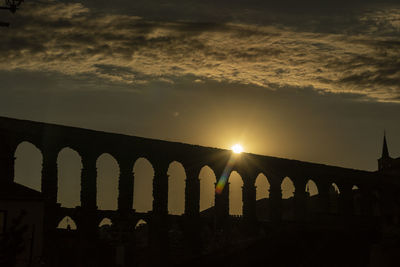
310 80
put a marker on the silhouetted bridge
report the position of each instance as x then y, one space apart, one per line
50 139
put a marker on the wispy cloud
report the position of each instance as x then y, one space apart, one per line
71 39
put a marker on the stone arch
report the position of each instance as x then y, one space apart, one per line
107 182
235 194
262 197
208 181
69 164
176 188
334 193
288 188
28 165
143 172
105 222
67 223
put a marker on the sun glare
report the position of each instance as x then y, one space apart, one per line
237 149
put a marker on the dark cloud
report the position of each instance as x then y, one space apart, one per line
359 56
229 8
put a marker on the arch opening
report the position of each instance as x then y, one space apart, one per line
311 188
107 182
235 194
287 188
262 187
335 188
140 223
143 185
207 188
67 223
105 222
69 165
28 166
176 188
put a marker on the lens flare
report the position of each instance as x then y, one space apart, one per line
225 175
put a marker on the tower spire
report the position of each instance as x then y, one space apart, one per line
385 151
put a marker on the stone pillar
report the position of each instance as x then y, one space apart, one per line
88 182
370 202
7 162
50 176
367 202
88 221
160 189
49 190
275 196
222 206
300 208
192 227
323 198
249 201
125 186
346 200
159 240
192 192
300 197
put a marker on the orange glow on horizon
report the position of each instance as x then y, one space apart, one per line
237 149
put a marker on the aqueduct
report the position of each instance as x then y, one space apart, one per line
50 139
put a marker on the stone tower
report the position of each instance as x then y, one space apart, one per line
387 163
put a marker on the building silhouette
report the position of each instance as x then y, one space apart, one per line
352 221
386 163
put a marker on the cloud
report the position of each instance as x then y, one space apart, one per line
71 39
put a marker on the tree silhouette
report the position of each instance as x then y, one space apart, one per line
13 6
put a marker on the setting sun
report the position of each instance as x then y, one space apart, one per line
237 148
